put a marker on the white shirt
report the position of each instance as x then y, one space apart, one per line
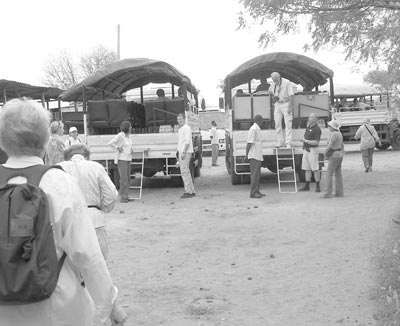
214 135
95 184
254 138
70 303
72 141
185 137
121 141
283 91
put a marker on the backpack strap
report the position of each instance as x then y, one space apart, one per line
32 173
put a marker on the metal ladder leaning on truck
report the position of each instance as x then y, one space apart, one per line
154 128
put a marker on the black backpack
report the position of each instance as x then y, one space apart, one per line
29 267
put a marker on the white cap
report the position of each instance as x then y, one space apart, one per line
73 129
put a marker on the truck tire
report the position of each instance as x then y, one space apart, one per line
177 181
236 179
396 140
383 146
197 169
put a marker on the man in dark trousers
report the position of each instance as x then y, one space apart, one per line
310 163
254 156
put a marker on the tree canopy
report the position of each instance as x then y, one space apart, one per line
64 70
366 29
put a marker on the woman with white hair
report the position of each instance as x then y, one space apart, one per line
369 137
24 134
55 147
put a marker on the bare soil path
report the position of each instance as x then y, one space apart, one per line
223 258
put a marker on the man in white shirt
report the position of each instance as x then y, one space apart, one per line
282 91
73 138
214 143
97 187
185 151
255 156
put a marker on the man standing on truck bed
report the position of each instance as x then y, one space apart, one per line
310 163
254 156
185 151
282 91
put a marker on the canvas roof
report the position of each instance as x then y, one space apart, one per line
14 89
297 68
120 76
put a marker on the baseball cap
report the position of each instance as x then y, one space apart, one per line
73 129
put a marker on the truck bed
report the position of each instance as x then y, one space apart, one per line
160 145
355 118
269 140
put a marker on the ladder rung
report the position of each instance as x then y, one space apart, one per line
286 181
135 187
285 159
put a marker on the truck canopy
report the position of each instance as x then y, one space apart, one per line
116 78
299 69
10 89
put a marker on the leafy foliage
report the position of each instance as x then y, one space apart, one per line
367 29
387 81
63 71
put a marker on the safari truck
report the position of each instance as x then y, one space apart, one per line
244 105
350 109
154 126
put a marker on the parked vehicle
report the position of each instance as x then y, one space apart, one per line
242 108
222 120
154 126
351 109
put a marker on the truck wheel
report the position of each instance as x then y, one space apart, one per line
396 140
383 146
197 171
177 181
246 179
236 179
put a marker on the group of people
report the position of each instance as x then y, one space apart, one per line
78 197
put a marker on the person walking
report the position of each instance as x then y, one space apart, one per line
96 186
334 153
255 156
55 147
71 303
185 151
282 91
122 144
369 137
309 163
214 143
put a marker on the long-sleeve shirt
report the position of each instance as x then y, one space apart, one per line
185 138
335 144
70 303
367 140
95 184
124 142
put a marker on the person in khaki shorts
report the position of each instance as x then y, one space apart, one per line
310 163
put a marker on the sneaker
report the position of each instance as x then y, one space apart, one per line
326 196
305 188
124 200
214 165
193 194
186 195
370 169
317 188
256 196
396 220
261 194
367 169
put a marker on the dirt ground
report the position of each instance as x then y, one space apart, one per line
223 258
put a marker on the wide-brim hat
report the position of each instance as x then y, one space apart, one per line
334 124
73 129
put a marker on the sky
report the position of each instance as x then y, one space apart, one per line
198 37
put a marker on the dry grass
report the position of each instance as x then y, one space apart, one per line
387 262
